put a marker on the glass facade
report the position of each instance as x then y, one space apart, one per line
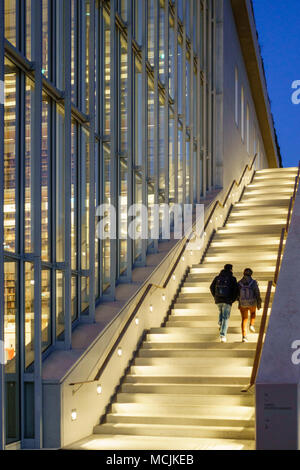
73 84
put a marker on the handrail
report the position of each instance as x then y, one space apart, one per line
260 337
150 285
271 284
234 183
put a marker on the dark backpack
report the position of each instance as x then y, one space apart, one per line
247 294
223 287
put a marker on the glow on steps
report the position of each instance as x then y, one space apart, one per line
183 389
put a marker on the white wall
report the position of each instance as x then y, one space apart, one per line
235 155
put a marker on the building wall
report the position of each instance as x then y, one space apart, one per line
142 123
236 155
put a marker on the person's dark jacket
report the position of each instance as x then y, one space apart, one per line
234 289
256 302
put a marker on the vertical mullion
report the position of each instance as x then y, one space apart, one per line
130 119
204 113
67 153
176 104
200 116
210 99
183 87
36 176
156 108
2 371
192 96
215 95
92 211
144 121
166 111
113 138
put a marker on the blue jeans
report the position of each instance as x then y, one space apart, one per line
224 310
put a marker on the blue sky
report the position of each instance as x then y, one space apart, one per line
278 26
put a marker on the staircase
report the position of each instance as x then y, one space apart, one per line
183 390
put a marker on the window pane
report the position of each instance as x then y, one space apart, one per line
74 196
123 195
150 32
60 187
28 29
85 292
10 316
10 161
60 305
74 296
46 309
45 33
84 199
29 96
46 168
107 74
106 200
10 21
29 314
123 96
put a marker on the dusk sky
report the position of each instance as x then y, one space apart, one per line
278 25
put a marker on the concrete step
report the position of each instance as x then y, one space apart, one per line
200 345
212 389
243 399
192 361
222 379
196 353
201 371
126 442
176 430
178 420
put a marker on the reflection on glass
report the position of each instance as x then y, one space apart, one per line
107 73
11 348
187 91
74 304
60 186
150 130
74 196
73 51
180 79
138 21
85 292
10 15
29 95
29 314
161 146
46 309
123 95
107 199
84 199
138 111
171 156
28 29
10 163
138 199
162 43
86 52
10 316
180 165
123 9
171 58
46 167
123 197
60 307
187 172
45 34
150 32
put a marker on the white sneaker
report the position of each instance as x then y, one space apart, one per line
245 339
223 339
252 329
